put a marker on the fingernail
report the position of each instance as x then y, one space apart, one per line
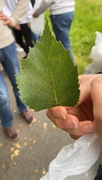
75 124
63 116
88 129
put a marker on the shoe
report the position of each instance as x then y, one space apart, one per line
25 56
27 115
31 45
19 49
11 133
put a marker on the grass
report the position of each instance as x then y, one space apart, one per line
87 21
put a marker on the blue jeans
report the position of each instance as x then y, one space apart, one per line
35 37
10 63
61 25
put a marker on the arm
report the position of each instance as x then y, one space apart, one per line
44 4
17 15
19 11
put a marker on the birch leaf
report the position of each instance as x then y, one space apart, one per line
48 77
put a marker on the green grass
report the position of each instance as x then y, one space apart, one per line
88 20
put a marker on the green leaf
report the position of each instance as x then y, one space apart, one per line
48 77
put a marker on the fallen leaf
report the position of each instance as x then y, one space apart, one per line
34 141
53 126
43 172
16 152
12 156
0 145
36 171
45 125
25 138
14 164
17 145
12 149
26 144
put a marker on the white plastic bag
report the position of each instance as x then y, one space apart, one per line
37 24
77 161
96 51
96 56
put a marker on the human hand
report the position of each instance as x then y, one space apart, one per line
17 27
35 15
29 25
7 20
85 117
66 118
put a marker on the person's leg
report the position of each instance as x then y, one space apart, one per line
19 39
33 2
61 25
11 66
35 37
26 32
5 110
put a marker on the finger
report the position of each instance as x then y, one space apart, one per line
96 92
6 22
58 112
1 14
85 127
5 19
62 119
66 125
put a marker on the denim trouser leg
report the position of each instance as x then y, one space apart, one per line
61 25
35 37
5 111
11 66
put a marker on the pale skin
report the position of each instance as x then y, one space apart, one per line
35 15
86 116
7 20
17 27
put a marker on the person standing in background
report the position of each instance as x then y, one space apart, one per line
22 31
10 63
35 36
61 15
